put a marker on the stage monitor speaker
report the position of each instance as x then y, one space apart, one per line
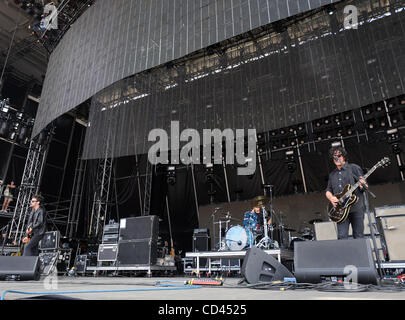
19 268
138 228
317 261
258 266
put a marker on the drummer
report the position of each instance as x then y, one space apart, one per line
253 222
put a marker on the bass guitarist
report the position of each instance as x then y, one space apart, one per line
347 173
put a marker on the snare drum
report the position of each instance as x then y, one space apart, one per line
236 238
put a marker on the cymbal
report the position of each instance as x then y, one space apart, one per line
315 221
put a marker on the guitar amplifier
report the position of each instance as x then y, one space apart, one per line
107 252
389 211
111 228
205 232
110 238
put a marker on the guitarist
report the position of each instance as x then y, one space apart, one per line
347 173
36 227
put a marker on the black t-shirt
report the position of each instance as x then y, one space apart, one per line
348 174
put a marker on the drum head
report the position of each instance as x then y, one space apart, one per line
236 238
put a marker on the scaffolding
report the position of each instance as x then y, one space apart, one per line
30 182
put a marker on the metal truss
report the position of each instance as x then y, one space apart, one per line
102 184
148 189
75 203
34 166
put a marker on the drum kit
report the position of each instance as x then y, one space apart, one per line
237 237
251 233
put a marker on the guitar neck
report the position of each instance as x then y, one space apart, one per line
357 184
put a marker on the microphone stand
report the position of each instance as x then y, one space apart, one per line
213 225
370 223
265 241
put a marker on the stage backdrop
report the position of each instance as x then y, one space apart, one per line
115 39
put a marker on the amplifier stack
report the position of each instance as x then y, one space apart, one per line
137 245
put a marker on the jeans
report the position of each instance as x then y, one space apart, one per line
356 219
31 248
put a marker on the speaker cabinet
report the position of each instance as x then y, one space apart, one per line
201 243
394 234
19 268
258 266
317 261
139 228
137 252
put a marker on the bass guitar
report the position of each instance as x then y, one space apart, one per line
347 197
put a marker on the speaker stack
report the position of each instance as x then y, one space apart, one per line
201 242
137 243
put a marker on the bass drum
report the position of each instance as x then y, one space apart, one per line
236 238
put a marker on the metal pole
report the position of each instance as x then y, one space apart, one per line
301 166
8 54
261 172
226 181
195 195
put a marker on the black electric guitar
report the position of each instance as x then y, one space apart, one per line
347 198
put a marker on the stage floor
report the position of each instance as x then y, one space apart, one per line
144 288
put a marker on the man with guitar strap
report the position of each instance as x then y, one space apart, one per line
347 174
36 227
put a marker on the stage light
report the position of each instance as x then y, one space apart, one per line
396 148
171 175
392 135
209 173
290 161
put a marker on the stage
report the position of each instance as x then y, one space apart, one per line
170 289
